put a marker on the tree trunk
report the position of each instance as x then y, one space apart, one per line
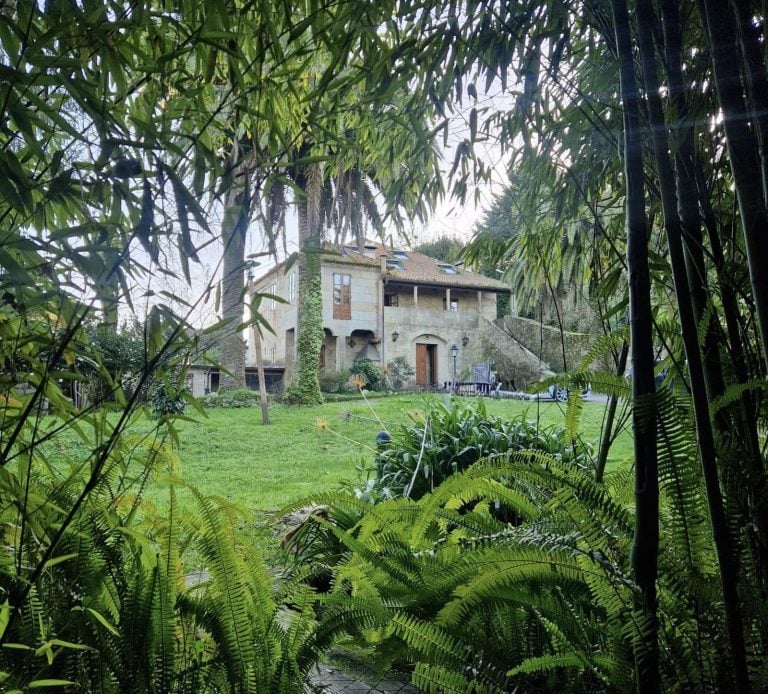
672 226
645 545
751 43
742 153
231 344
305 386
260 369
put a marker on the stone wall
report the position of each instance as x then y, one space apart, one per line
545 341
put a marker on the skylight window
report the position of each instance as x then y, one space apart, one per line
394 264
447 269
400 255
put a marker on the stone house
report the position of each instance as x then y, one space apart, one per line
385 303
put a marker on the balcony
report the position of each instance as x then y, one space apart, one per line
428 319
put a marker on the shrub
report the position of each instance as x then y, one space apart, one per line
334 381
165 399
398 372
243 397
364 367
456 437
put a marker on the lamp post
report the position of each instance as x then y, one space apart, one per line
454 354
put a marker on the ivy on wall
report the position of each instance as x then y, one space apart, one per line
305 386
546 342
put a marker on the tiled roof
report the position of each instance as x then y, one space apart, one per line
417 267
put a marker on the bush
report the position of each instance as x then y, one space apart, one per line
334 381
456 437
164 399
368 370
233 398
398 373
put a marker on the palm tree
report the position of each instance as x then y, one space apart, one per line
237 214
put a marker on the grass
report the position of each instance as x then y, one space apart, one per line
232 455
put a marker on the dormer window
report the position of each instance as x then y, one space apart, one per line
447 269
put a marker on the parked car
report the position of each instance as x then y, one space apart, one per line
560 393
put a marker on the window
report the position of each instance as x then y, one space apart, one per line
447 269
391 300
273 291
342 296
272 354
453 308
400 255
292 287
394 264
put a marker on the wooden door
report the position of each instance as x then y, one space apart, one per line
421 365
426 364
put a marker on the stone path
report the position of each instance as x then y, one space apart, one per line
330 679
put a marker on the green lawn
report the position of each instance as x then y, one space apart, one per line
230 454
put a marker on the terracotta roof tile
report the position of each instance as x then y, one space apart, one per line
417 267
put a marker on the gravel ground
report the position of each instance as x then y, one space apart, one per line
330 679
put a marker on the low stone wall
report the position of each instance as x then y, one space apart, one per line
545 341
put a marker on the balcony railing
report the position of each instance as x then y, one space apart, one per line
464 318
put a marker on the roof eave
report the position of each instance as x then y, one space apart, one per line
448 285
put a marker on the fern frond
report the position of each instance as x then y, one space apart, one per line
440 649
733 394
511 570
231 622
440 680
165 664
612 341
680 483
547 663
461 490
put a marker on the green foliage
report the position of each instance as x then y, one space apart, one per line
398 373
115 610
166 398
369 371
543 602
445 248
305 386
124 356
121 353
242 397
448 439
334 381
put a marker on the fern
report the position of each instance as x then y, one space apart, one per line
433 678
